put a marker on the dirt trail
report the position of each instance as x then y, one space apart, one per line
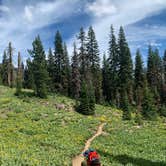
78 159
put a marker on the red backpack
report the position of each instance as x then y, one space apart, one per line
92 156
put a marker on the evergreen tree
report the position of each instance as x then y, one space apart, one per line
19 76
40 74
22 72
83 108
65 74
163 94
158 64
139 73
75 76
28 75
139 79
58 56
1 74
92 101
149 111
93 63
87 100
163 89
125 107
162 110
10 66
126 66
4 70
164 67
113 60
154 74
106 78
51 69
92 49
84 61
150 67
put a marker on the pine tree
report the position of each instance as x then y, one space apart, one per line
139 73
149 111
65 73
1 74
93 63
10 66
158 64
75 76
163 94
58 56
139 79
150 67
154 74
40 74
126 66
83 107
87 100
19 76
113 60
22 72
106 78
4 70
83 54
164 67
162 110
92 101
163 89
28 75
51 69
125 106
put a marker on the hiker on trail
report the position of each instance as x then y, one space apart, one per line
92 158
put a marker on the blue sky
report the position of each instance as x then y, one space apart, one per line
21 20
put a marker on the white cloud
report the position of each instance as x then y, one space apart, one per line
45 13
21 23
24 18
4 9
146 35
101 8
127 13
124 12
28 13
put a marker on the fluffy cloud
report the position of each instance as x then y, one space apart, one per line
28 13
20 20
127 13
45 13
4 9
101 8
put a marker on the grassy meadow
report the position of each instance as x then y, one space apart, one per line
33 132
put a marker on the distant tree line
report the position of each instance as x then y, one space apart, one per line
9 75
118 82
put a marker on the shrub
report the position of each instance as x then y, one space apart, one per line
87 100
163 111
138 119
149 110
126 108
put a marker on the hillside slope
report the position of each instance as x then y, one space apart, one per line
34 132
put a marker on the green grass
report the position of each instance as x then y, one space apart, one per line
125 143
34 133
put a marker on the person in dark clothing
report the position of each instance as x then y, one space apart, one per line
92 158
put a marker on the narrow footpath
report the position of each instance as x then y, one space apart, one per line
79 159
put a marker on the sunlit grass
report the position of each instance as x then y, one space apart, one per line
34 133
